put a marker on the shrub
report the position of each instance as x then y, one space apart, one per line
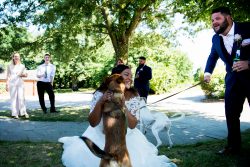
216 87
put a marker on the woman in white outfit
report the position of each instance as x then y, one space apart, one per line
15 86
142 153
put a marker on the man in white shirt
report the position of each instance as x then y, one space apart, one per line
45 75
231 45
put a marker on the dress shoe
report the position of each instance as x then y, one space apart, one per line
45 111
53 111
228 151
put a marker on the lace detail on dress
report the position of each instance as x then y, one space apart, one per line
97 95
134 105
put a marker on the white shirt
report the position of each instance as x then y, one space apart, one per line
229 40
48 70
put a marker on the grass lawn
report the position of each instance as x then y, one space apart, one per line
28 154
203 154
44 154
74 114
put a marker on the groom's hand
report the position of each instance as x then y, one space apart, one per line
240 66
207 78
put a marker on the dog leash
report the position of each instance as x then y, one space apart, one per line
175 94
169 96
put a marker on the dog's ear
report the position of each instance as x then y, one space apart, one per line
120 79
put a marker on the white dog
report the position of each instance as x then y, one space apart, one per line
157 122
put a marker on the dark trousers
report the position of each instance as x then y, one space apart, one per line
143 92
234 101
41 88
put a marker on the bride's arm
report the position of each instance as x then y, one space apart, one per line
132 120
95 114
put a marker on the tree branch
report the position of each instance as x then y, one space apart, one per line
136 19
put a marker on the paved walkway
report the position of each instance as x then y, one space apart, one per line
203 121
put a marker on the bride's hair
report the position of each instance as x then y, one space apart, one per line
117 70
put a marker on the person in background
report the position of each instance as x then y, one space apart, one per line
142 76
15 85
231 45
45 74
119 61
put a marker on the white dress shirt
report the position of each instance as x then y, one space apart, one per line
48 71
228 42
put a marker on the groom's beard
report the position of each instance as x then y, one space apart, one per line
223 27
141 65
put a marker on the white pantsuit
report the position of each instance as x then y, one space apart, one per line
16 89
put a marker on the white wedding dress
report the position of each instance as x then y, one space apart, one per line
142 152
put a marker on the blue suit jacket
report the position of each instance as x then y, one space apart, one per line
144 76
217 52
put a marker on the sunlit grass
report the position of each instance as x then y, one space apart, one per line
74 114
45 154
203 154
28 154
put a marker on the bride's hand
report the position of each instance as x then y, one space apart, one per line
107 96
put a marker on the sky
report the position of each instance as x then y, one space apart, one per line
198 48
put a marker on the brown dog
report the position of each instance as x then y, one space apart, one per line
115 127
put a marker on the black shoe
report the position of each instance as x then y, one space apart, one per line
53 111
45 111
228 151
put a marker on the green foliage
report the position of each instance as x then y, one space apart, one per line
87 68
117 19
12 39
76 36
169 66
200 10
173 69
197 75
216 87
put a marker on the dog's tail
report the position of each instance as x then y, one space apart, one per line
95 149
177 116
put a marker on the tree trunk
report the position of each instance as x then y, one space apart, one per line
121 50
74 86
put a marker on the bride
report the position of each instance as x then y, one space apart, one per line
142 153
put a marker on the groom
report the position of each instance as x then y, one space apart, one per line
231 38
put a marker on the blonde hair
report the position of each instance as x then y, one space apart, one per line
12 57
